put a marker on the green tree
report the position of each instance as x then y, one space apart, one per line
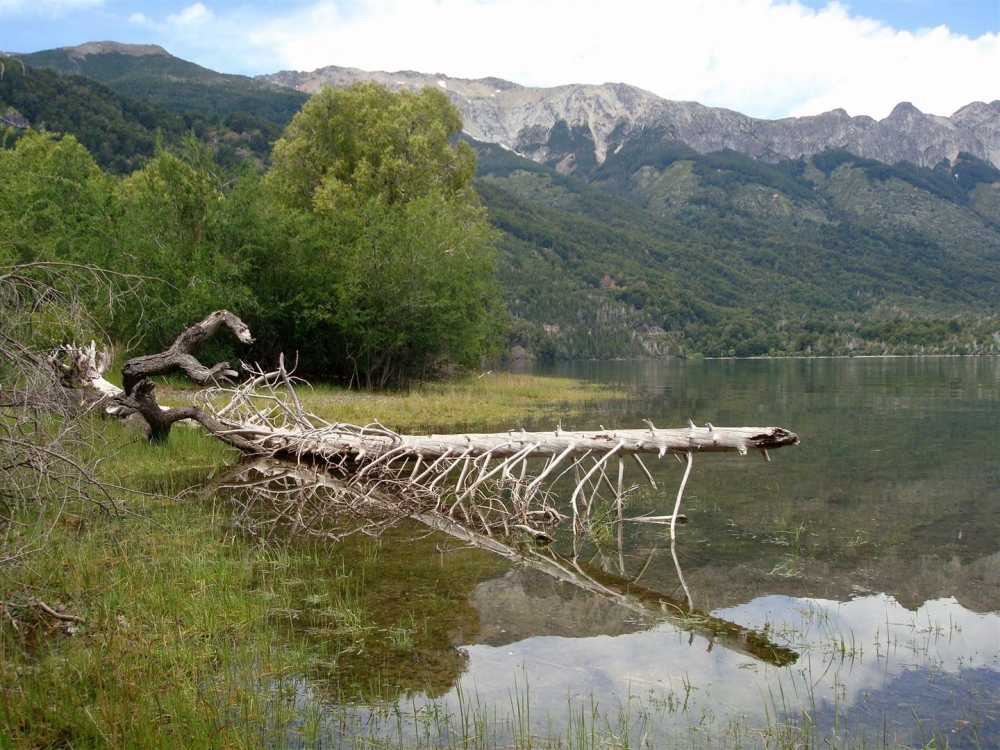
170 224
390 273
53 200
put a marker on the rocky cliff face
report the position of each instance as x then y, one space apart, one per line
560 125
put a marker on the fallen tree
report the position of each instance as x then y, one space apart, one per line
495 483
311 473
491 482
84 366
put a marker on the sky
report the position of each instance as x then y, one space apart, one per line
764 58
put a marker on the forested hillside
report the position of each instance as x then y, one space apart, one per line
661 250
718 254
369 261
178 85
119 130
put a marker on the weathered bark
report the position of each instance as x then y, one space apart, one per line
179 357
83 367
266 411
160 419
376 443
481 480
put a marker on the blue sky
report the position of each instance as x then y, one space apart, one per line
766 58
970 17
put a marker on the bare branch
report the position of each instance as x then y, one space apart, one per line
179 356
483 480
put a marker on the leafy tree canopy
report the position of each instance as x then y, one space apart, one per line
52 198
349 146
392 271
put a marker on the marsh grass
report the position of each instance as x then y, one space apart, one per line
173 642
629 721
493 400
174 636
196 636
488 401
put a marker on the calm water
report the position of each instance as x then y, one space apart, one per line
869 555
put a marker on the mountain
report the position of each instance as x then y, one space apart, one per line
622 239
119 131
149 95
149 72
635 225
575 127
672 251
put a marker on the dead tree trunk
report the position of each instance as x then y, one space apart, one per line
84 367
497 483
161 419
179 357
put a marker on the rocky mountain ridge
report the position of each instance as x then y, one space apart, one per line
559 125
87 49
574 127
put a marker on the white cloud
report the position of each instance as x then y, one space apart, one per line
937 71
763 57
885 639
191 15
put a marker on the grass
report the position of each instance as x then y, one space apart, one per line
194 635
498 399
189 634
176 613
197 637
176 634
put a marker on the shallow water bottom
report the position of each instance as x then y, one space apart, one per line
843 595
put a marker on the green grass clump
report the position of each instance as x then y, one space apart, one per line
178 631
491 400
173 644
497 400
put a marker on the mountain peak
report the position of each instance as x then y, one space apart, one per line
99 48
576 126
904 110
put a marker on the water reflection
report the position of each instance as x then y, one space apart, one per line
871 553
894 489
853 654
633 604
270 495
871 673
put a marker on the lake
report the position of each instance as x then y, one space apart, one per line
844 594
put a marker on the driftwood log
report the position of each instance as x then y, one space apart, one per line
495 483
84 367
